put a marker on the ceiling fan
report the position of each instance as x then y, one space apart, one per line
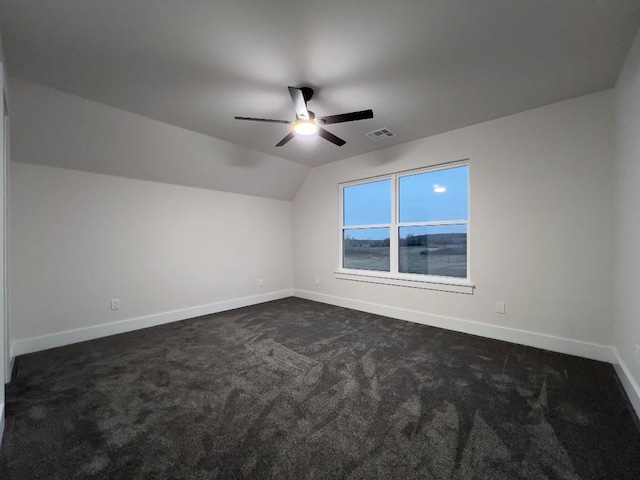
307 123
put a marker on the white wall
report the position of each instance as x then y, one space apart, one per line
53 128
79 239
4 364
540 224
627 232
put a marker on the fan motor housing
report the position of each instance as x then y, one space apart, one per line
307 93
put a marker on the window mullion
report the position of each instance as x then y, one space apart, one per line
341 229
433 223
373 225
393 229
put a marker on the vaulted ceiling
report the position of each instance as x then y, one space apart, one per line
423 66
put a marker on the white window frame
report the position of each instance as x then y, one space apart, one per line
394 277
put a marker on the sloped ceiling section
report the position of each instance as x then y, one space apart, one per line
53 128
424 67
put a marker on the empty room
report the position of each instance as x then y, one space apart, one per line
320 240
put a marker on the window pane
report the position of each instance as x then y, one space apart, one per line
366 249
434 196
434 250
367 203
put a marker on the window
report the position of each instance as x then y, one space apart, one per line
408 228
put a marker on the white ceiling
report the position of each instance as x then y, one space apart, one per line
423 66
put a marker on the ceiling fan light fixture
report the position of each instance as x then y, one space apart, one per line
305 127
306 122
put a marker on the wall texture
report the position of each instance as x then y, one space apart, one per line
627 223
540 222
79 239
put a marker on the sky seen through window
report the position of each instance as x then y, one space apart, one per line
423 197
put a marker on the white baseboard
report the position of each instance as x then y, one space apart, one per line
522 337
10 366
45 342
1 423
630 385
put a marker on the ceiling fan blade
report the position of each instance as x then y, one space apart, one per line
263 120
345 117
331 137
299 102
286 139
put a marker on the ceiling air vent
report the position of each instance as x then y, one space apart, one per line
380 134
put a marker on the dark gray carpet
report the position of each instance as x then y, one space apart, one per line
300 390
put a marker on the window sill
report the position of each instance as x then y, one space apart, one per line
442 284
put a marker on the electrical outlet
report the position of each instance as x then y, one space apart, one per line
499 307
115 304
260 282
317 280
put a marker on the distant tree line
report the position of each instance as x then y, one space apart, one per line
431 240
350 242
434 240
